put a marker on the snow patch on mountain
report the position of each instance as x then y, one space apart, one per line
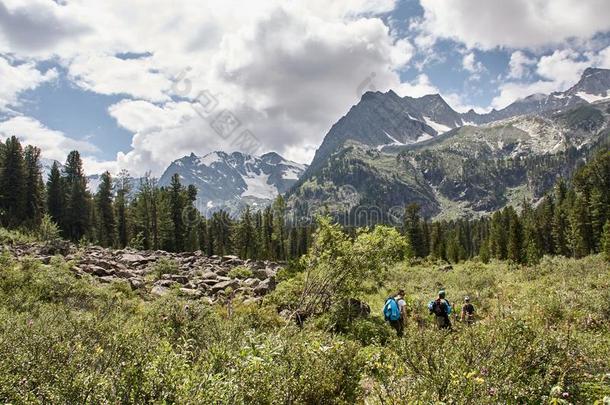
591 98
439 128
257 185
229 181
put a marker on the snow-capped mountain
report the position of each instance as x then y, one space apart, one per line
386 120
392 151
231 180
594 85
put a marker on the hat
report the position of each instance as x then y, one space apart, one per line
466 298
441 293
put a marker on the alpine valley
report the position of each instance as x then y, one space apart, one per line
389 151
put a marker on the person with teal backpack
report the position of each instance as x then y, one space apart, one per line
394 312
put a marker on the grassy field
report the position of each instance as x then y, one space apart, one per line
543 336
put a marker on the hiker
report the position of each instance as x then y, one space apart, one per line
467 312
394 311
441 310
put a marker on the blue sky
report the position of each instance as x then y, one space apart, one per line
125 86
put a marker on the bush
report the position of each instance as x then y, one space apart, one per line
48 230
164 266
240 272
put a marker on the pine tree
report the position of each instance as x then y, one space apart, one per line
278 235
267 234
498 241
598 212
413 230
578 235
105 211
123 188
77 214
515 237
192 217
560 224
605 243
12 184
177 207
34 187
56 197
245 243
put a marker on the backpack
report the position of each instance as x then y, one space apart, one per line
438 308
391 312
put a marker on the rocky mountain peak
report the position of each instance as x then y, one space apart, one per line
594 85
231 180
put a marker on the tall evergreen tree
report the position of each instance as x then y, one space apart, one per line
105 211
278 236
12 184
123 189
177 206
34 187
605 242
77 215
515 237
56 195
245 237
413 229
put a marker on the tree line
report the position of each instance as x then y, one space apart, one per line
143 216
572 220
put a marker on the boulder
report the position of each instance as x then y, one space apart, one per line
136 283
107 279
208 275
223 285
251 282
159 290
265 287
96 270
179 278
165 283
190 292
132 258
260 273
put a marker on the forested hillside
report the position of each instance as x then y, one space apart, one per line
569 221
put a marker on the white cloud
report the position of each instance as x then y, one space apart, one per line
559 70
487 24
111 75
418 87
470 63
54 144
287 70
519 64
17 78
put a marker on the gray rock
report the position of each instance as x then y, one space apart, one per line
133 258
136 283
251 282
190 292
265 287
159 290
179 278
96 270
223 285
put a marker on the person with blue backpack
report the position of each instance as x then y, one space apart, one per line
394 311
441 309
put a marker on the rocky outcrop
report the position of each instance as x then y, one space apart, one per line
158 273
